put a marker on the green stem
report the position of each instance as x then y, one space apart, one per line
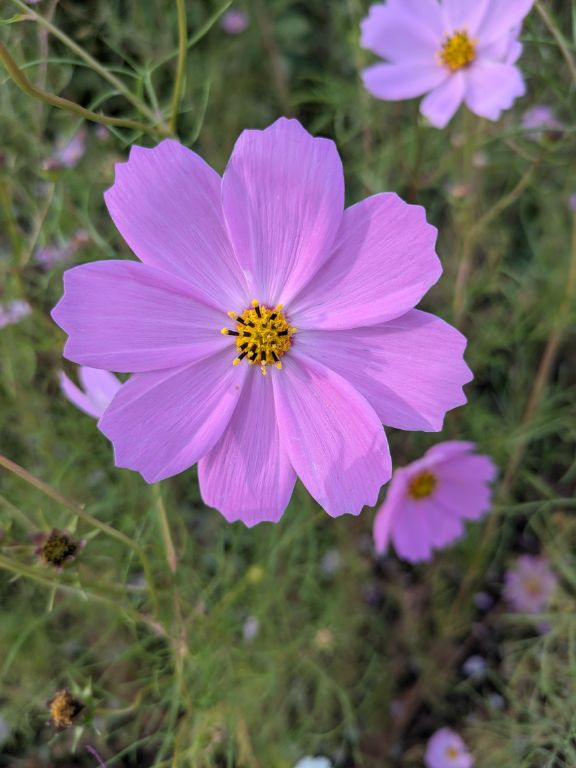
80 512
181 68
557 35
58 101
97 67
169 548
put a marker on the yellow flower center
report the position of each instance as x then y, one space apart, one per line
533 586
452 753
422 485
263 335
458 50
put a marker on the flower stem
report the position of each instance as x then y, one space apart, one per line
181 68
557 35
169 548
159 125
80 512
58 101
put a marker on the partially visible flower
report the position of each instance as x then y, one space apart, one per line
314 762
270 332
50 255
530 584
251 628
14 311
234 21
99 390
428 500
64 709
57 548
446 749
540 121
572 202
453 51
68 152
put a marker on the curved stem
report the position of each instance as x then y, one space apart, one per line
80 512
181 68
58 101
97 67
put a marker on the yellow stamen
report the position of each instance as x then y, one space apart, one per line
422 486
263 335
458 50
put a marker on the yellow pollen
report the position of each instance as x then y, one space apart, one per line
452 753
262 334
422 485
533 586
458 50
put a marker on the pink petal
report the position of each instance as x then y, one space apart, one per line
100 386
395 82
401 30
283 197
166 203
501 16
333 437
163 422
383 263
464 14
447 450
493 87
464 486
440 105
388 511
126 316
411 370
247 476
78 398
412 530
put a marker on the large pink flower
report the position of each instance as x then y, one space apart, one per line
263 272
428 501
454 51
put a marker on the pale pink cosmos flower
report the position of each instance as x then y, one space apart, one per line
263 272
540 121
455 51
98 390
68 152
428 501
14 311
530 584
234 21
446 749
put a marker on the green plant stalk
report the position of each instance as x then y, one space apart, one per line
27 572
557 35
181 67
97 67
58 101
169 549
80 512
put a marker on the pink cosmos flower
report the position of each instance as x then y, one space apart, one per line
454 51
68 152
540 121
529 586
428 500
446 749
50 255
99 388
234 21
263 272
